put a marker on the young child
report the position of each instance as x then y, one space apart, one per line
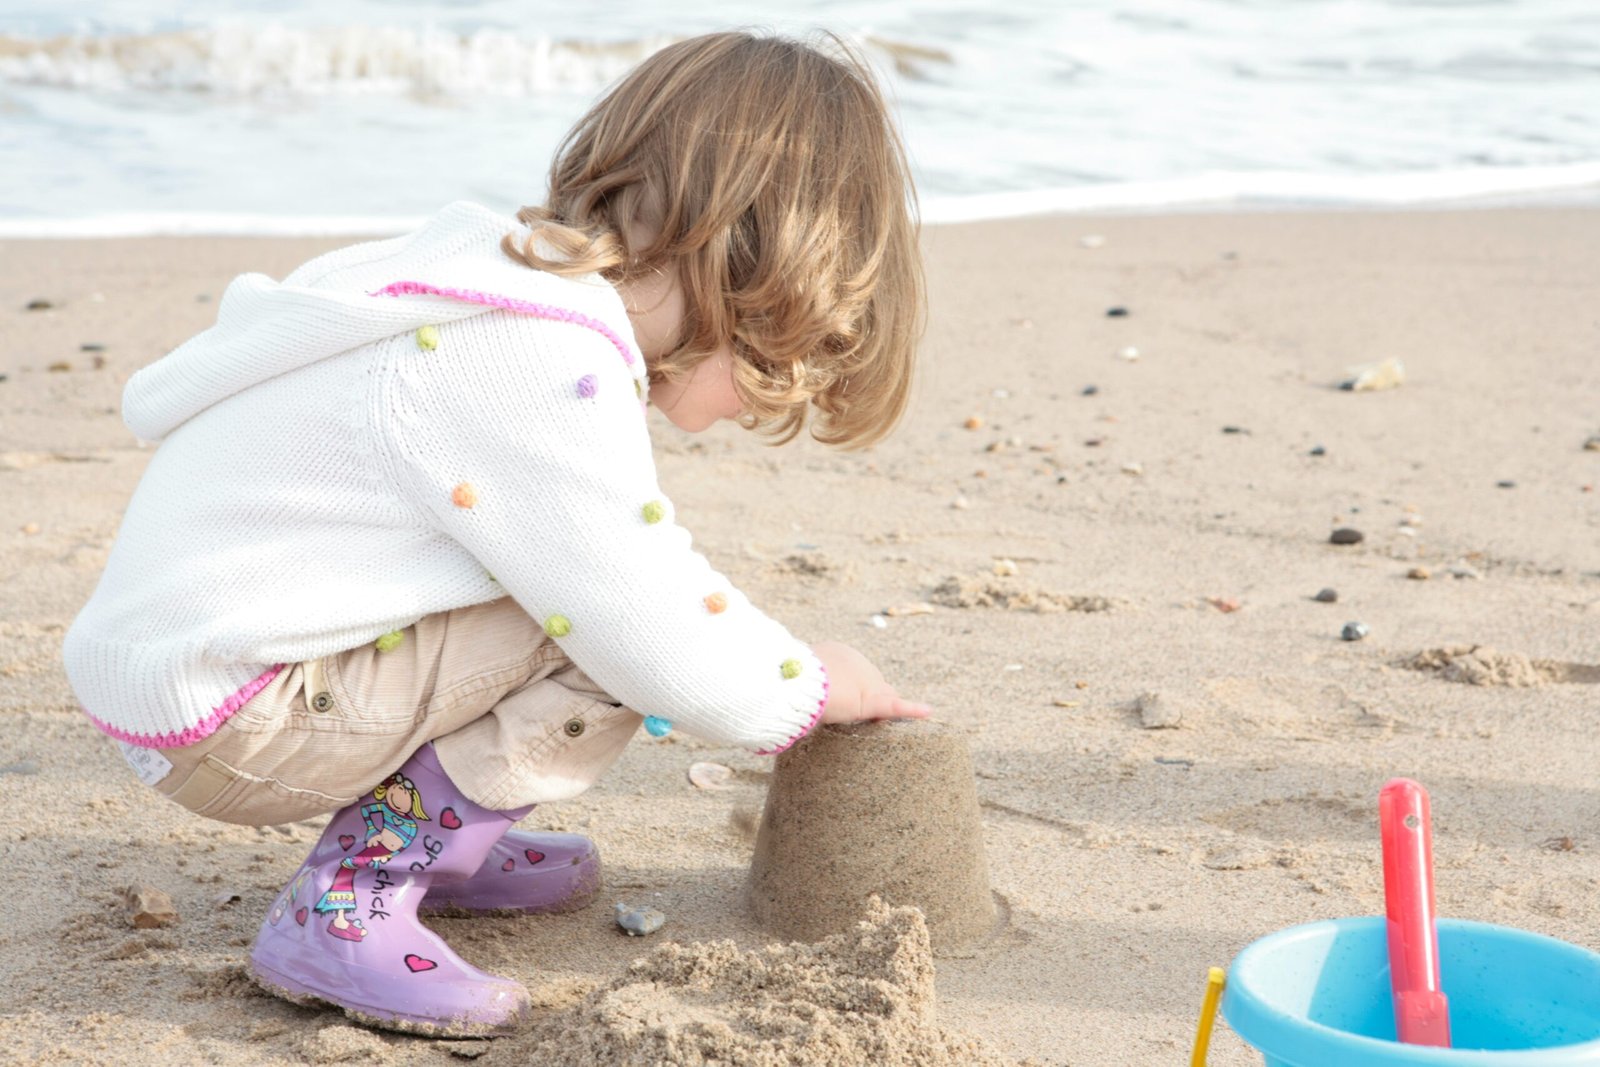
402 556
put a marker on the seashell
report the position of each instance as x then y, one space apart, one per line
639 921
921 607
711 775
1374 376
1005 568
1130 354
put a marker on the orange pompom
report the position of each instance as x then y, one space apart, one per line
463 495
716 603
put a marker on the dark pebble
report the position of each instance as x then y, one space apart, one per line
1345 535
40 305
1116 313
91 346
1319 451
1234 429
1506 485
1090 390
1354 631
5 377
203 298
1327 596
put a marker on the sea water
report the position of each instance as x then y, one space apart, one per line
279 116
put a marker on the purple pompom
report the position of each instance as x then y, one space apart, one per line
587 386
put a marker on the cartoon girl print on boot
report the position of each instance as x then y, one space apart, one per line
391 827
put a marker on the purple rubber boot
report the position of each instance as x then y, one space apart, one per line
344 930
527 872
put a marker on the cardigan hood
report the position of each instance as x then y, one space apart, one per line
328 306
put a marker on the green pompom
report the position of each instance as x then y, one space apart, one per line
428 338
390 641
654 512
557 626
791 668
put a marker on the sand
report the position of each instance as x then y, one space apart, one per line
1125 860
831 835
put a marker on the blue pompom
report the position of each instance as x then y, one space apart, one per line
656 726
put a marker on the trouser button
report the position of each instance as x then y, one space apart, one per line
322 702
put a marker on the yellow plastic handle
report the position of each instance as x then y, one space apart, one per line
1216 978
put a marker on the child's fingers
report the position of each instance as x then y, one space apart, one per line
911 709
892 707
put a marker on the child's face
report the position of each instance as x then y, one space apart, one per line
705 398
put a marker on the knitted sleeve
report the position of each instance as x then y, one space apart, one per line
524 442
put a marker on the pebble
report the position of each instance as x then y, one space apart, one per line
1592 444
1091 240
91 346
1005 568
1346 535
1225 604
1419 574
974 422
59 366
711 775
1090 390
921 607
1130 353
1318 450
639 921
30 528
1354 631
960 503
1463 570
27 766
39 305
149 907
1234 429
1134 469
878 622
1116 313
1001 394
1156 712
1327 596
1507 484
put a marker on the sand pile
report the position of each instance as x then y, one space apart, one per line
865 996
1481 665
956 592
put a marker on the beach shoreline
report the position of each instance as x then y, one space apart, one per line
1191 485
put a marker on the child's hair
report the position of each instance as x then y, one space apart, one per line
772 179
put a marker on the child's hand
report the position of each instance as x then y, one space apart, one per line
857 691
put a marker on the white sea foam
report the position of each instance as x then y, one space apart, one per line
275 60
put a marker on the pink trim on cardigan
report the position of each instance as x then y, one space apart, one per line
522 307
200 730
816 717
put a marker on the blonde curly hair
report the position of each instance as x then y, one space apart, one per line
771 179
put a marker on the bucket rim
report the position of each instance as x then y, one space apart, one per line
1252 1018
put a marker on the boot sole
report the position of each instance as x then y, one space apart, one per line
282 985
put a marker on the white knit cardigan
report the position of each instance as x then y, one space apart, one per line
401 428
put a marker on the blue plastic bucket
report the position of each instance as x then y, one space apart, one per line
1318 996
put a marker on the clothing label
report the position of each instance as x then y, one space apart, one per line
150 765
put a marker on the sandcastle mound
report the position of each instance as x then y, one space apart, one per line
863 996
